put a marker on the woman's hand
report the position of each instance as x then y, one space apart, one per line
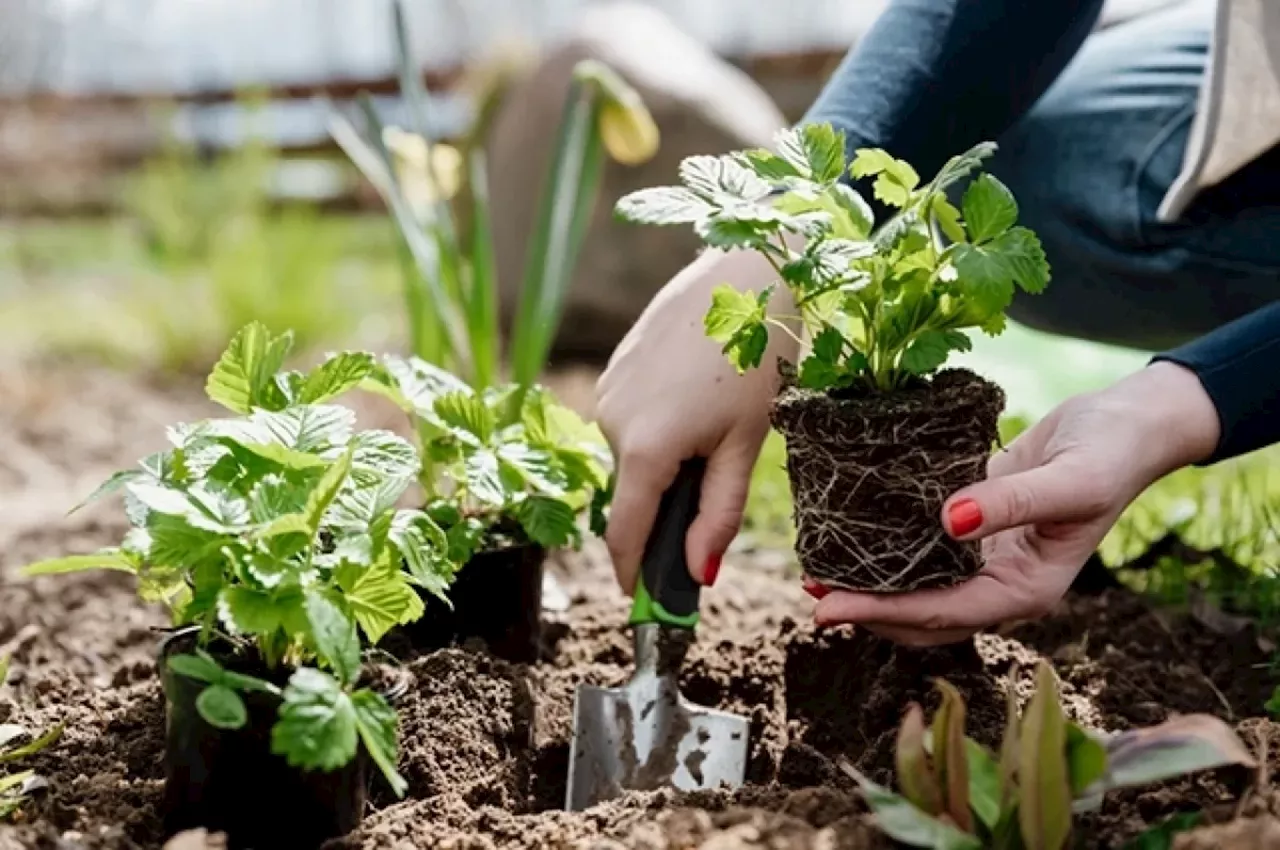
1046 504
668 395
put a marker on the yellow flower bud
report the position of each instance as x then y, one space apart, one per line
629 132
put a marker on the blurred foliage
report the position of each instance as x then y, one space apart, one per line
199 251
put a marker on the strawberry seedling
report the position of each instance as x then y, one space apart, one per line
954 794
274 537
878 433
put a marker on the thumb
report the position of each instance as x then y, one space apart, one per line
720 509
1055 492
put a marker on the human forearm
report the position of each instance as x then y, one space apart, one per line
1238 366
934 77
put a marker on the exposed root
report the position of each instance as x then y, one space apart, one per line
869 476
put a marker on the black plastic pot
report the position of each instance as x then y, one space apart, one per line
497 598
229 780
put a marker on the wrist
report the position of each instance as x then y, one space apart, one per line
1177 419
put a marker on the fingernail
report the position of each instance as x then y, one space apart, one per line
965 517
814 589
712 571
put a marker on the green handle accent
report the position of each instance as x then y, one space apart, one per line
665 591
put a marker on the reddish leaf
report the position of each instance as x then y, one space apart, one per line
915 776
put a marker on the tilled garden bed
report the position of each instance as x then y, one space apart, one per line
485 742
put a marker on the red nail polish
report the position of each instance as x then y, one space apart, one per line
712 571
814 589
965 516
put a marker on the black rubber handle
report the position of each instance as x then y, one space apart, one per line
668 593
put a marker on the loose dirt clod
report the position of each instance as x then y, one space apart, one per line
869 475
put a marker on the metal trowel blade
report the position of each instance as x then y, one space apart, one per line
645 735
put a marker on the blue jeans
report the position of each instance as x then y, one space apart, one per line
1091 134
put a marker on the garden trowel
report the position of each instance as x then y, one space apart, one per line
645 735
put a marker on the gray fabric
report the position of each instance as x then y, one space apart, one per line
1238 115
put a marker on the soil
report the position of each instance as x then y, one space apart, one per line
853 462
485 741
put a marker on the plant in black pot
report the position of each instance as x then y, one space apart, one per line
274 538
878 433
508 474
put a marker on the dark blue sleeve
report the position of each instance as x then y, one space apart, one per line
932 78
1239 366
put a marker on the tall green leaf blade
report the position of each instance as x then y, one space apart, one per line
440 321
106 559
915 778
565 210
1178 746
900 820
1044 805
482 290
984 783
327 490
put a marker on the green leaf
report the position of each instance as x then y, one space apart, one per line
275 496
948 218
822 369
984 279
728 231
104 559
200 667
413 383
317 728
246 611
222 707
565 208
852 204
376 722
1086 759
722 180
1044 803
466 414
895 179
949 755
425 548
246 369
915 777
900 820
1023 255
961 166
484 479
305 428
335 376
548 522
337 643
815 151
1161 836
327 490
770 166
663 205
176 543
930 350
381 599
984 783
106 488
381 454
241 682
1176 747
33 746
989 209
736 319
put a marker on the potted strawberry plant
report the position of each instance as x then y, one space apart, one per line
508 474
508 471
274 538
878 433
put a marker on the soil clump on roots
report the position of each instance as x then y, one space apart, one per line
485 743
869 474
